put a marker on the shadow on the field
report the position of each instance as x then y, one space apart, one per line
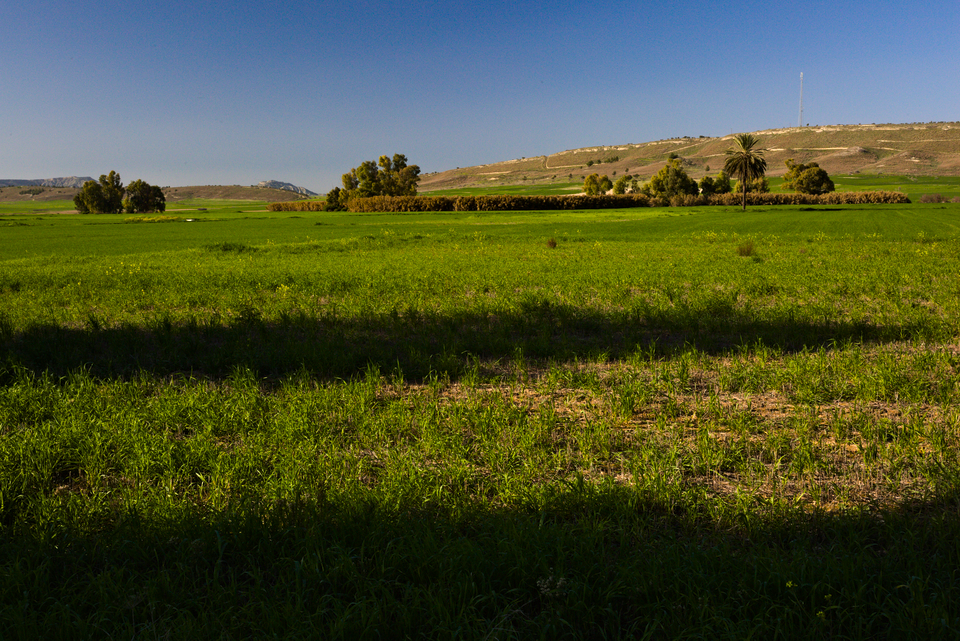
414 343
609 561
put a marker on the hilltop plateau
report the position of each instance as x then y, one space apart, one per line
922 149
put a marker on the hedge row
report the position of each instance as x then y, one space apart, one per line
386 204
298 205
789 198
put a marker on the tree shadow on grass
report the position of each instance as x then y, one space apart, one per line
415 344
591 560
594 561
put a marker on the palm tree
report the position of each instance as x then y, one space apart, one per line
745 162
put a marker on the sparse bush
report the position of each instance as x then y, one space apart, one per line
153 219
932 198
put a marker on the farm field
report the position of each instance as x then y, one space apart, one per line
649 423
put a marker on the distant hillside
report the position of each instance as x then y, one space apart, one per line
69 181
931 149
32 193
22 193
229 192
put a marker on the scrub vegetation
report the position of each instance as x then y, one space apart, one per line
648 423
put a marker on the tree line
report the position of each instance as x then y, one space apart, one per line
109 196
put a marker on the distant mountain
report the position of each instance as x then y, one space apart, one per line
69 181
276 184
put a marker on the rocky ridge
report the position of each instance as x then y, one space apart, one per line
74 182
276 184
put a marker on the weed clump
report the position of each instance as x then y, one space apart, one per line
552 243
228 247
745 248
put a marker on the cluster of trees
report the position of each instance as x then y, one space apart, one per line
670 181
387 177
106 196
718 185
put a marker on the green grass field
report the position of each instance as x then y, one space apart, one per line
650 423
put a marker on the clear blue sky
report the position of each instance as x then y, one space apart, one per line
187 93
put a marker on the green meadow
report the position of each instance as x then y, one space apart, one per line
224 422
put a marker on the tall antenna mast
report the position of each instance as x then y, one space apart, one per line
800 119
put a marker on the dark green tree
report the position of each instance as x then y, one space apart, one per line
397 177
745 161
605 184
103 197
591 185
90 198
671 181
806 178
143 197
620 187
333 202
706 186
389 177
721 184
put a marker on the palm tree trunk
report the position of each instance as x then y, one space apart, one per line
743 181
